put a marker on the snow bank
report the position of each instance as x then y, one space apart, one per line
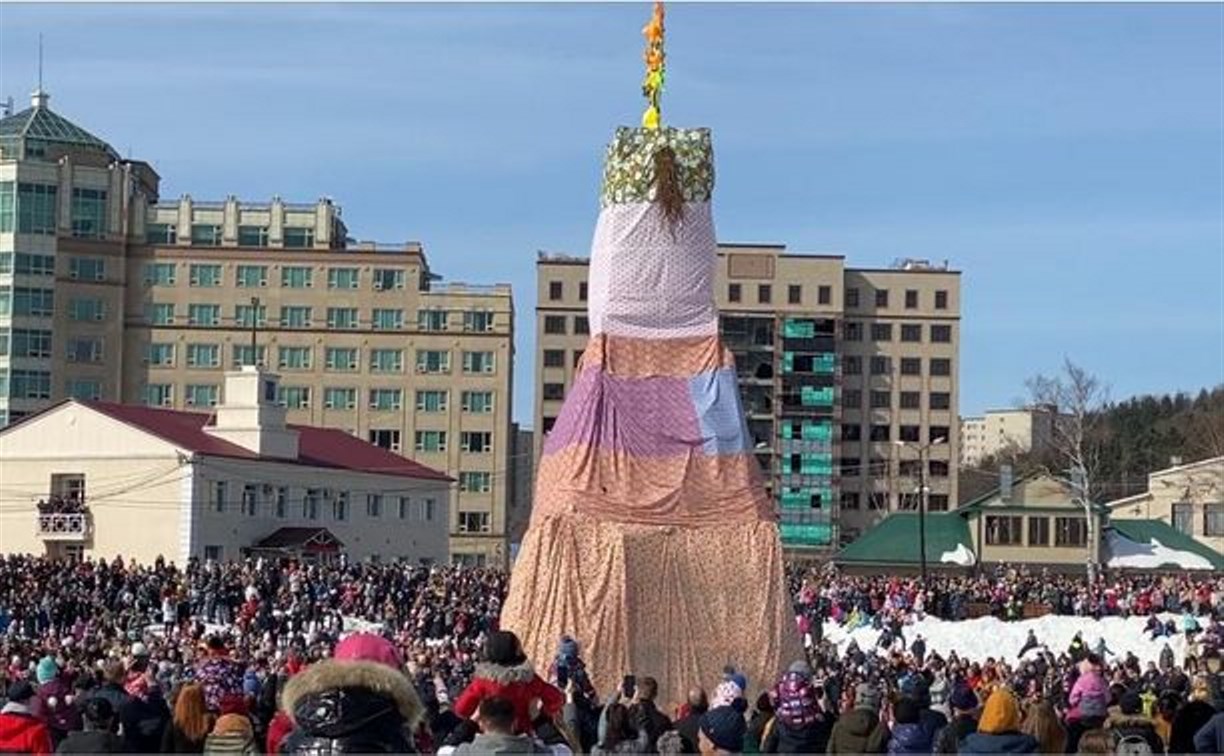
984 637
1128 553
961 555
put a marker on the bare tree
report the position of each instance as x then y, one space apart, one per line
1078 398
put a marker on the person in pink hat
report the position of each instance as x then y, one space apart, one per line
358 701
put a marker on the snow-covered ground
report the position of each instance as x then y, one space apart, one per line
978 639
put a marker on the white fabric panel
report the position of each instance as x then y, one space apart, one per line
651 281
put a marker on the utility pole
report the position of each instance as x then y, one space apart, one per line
924 492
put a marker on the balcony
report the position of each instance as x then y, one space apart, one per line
64 527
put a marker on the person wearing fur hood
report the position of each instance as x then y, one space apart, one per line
507 673
359 701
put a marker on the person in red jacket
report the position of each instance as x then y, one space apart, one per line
21 731
507 673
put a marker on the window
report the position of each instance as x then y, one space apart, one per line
852 398
160 355
941 366
387 279
1183 517
794 294
577 357
31 343
250 276
343 278
851 432
29 384
297 277
1003 530
342 318
86 268
88 213
204 314
161 233
386 360
941 334
160 313
159 395
477 321
852 297
911 332
201 395
911 366
849 500
243 354
36 208
159 274
881 331
911 400
852 365
433 361
385 438
940 400
203 355
937 433
8 207
296 237
850 467
207 276
427 510
373 505
86 309
556 291
582 291
295 316
252 236
911 434
881 399
404 506
294 397
554 324
475 482
911 299
213 553
386 399
430 441
1213 519
310 503
39 303
340 359
941 300
881 298
476 442
881 365
764 293
937 502
339 398
1038 531
477 402
250 499
581 325
881 432
477 362
1070 531
293 357
554 391
734 293
854 331
473 522
432 401
205 235
554 358
85 389
938 468
387 319
248 316
281 503
824 295
33 265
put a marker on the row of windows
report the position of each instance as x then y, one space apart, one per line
556 357
910 400
209 275
302 316
1213 518
1009 530
556 291
26 264
211 235
883 432
852 500
25 384
336 359
909 332
853 467
558 325
345 398
40 303
912 299
254 498
794 294
30 208
883 365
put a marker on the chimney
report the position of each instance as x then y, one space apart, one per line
250 416
1005 483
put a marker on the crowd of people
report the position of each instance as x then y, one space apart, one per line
265 656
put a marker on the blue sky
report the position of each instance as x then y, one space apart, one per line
1069 159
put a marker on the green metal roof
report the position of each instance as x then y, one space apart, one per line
895 540
1145 531
39 122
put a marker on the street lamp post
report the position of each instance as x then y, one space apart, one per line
924 491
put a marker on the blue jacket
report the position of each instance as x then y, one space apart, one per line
911 738
1210 737
1004 742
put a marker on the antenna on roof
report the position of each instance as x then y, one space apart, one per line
40 60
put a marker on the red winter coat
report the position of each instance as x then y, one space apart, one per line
22 733
278 729
518 684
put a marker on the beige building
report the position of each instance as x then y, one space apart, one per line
1189 497
81 477
106 292
847 375
997 431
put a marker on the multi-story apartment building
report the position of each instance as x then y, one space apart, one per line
995 431
106 292
848 376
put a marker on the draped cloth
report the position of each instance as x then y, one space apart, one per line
652 539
